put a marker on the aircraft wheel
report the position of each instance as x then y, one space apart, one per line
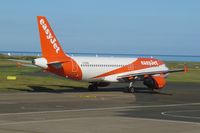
131 90
92 88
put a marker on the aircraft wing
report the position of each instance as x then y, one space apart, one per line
137 76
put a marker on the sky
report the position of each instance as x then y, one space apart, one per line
104 26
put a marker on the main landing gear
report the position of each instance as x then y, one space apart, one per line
93 87
131 88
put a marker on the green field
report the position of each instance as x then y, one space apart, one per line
30 79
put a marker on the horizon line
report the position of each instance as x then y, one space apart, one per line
177 55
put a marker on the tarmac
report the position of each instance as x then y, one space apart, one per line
109 110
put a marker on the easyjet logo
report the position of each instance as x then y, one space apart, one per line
149 63
49 36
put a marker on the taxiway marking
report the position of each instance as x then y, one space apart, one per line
86 118
101 109
173 114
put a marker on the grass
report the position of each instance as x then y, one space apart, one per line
29 78
193 75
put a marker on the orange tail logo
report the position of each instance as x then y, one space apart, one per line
49 44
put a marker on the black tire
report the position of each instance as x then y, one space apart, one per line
131 90
92 88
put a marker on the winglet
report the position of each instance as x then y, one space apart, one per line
185 68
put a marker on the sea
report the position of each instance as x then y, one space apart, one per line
186 58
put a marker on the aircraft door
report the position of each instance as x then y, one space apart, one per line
74 67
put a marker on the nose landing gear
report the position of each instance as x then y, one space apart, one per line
131 88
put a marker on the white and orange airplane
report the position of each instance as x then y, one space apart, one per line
99 71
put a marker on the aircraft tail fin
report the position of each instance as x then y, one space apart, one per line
51 48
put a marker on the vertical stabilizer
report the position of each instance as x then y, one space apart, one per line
51 48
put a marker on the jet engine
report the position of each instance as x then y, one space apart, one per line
155 82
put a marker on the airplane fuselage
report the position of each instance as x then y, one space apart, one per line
103 69
96 69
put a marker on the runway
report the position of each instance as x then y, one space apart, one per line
174 109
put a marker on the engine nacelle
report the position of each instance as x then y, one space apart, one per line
160 82
41 62
155 82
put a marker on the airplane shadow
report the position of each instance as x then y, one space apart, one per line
149 91
37 88
68 89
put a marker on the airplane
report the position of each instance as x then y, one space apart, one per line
98 71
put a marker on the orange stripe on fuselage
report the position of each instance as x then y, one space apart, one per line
69 69
72 70
140 63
